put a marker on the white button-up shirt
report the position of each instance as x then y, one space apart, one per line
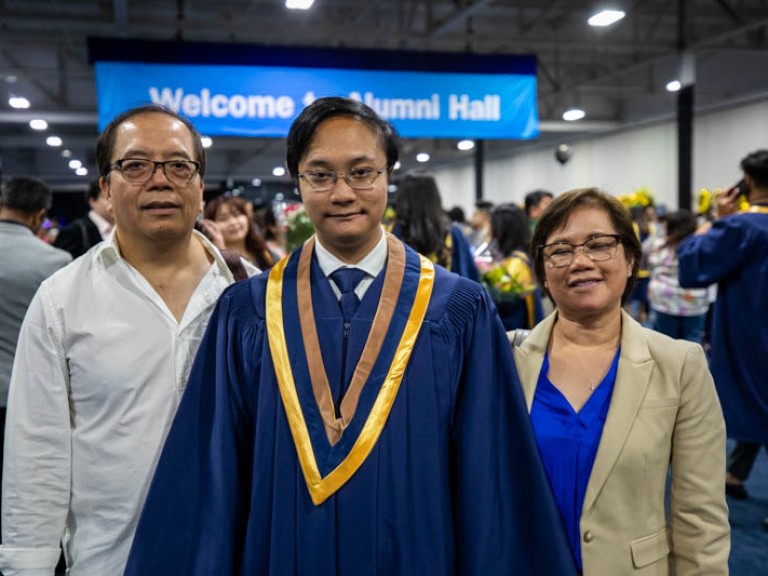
100 368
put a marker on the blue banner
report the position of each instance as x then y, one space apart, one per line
263 101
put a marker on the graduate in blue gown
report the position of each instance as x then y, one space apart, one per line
394 441
734 254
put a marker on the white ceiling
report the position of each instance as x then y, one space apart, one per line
618 75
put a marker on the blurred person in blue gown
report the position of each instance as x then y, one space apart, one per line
331 429
732 251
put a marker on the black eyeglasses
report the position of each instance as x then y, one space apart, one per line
140 170
357 178
598 249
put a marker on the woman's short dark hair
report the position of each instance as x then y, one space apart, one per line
105 145
419 212
509 228
679 225
303 129
564 205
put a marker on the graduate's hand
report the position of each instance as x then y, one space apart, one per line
727 202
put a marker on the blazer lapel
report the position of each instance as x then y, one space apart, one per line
529 356
632 378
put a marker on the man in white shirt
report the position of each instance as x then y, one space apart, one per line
84 233
104 354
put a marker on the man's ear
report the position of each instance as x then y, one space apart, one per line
37 219
104 187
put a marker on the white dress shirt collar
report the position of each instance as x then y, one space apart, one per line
372 263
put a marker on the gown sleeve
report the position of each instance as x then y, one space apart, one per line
507 520
194 518
707 258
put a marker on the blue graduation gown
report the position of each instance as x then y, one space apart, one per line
734 254
454 484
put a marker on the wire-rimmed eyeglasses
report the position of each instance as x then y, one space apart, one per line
140 170
357 178
598 249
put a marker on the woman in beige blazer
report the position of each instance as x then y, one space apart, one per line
616 406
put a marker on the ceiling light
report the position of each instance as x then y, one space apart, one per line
207 141
18 102
573 114
397 165
466 145
605 18
674 86
66 153
278 171
82 171
299 4
256 182
422 157
75 164
53 141
38 124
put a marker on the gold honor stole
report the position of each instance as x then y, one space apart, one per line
756 208
322 487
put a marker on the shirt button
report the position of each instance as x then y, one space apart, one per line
588 537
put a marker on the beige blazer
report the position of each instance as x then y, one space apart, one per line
664 415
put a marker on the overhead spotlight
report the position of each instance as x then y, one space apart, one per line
207 141
422 157
397 165
465 145
66 153
573 114
38 124
674 86
299 4
82 171
75 164
278 171
256 182
18 102
606 17
53 141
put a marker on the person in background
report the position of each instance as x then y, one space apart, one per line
510 279
678 312
238 231
104 353
457 217
333 429
480 238
274 232
646 231
83 233
616 407
25 261
535 203
421 223
733 252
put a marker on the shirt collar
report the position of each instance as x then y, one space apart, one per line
372 263
109 253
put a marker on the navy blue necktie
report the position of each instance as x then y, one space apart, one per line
347 280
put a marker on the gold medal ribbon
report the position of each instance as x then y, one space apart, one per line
320 488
